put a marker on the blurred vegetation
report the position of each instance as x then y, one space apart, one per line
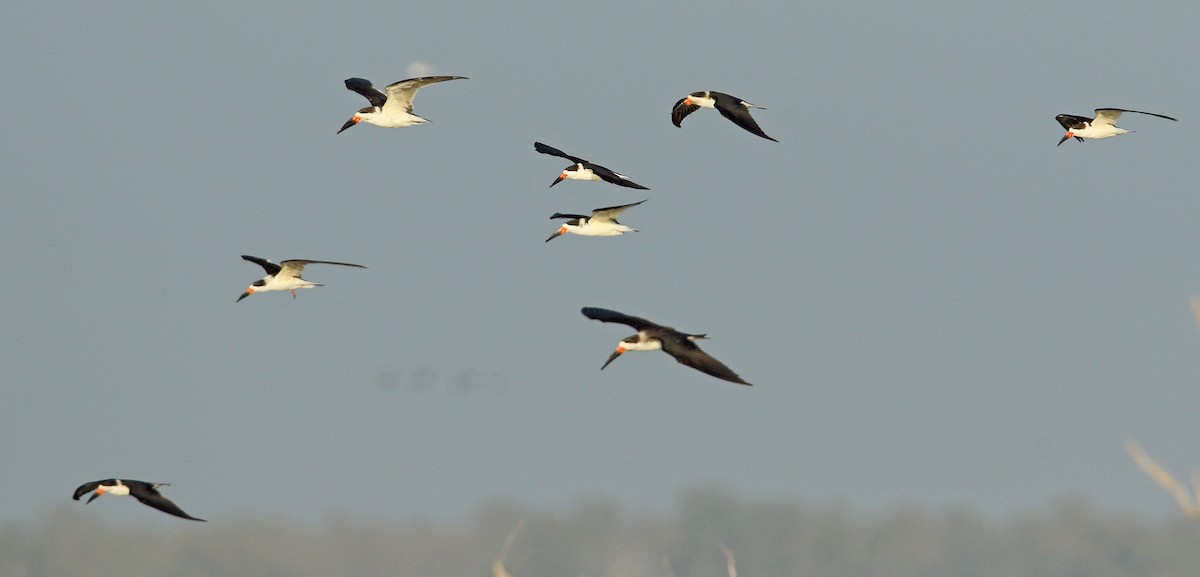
597 539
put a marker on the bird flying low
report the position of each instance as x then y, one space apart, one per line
652 336
284 276
393 109
1103 125
731 107
146 493
602 222
584 170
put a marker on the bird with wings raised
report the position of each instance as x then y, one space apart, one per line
393 109
285 275
602 222
1103 125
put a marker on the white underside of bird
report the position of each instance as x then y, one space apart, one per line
117 490
389 118
581 173
592 227
1093 130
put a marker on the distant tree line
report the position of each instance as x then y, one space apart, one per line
595 538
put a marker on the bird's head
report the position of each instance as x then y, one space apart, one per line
256 285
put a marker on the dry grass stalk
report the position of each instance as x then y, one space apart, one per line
1183 495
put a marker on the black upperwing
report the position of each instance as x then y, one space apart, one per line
733 108
1072 122
612 177
611 316
271 268
364 87
685 351
148 495
546 149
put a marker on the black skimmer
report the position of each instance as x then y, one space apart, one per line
285 275
1103 125
651 336
584 170
145 492
730 107
393 109
602 222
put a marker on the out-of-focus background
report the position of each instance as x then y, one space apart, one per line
938 308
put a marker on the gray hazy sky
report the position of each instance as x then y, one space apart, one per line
936 305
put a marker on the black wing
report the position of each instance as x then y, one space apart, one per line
686 352
1072 122
609 176
544 149
270 267
86 488
574 216
148 495
610 316
364 87
680 111
731 107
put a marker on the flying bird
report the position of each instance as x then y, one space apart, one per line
584 170
146 493
393 109
284 276
1103 125
730 107
602 222
652 336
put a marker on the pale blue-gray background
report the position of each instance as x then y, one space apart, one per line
936 305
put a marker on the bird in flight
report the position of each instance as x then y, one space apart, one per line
652 336
146 493
284 276
584 170
1103 125
731 107
602 222
393 109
